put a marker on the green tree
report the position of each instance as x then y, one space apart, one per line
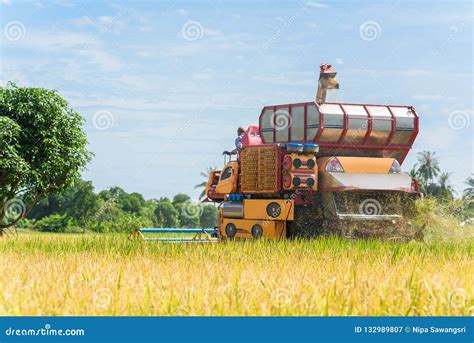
78 201
128 202
428 166
180 199
208 216
42 148
188 211
446 189
468 192
166 214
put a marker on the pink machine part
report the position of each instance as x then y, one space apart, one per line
252 137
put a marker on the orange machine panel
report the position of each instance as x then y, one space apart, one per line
269 209
228 178
252 229
364 165
300 172
259 171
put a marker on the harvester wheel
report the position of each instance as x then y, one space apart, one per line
257 231
230 230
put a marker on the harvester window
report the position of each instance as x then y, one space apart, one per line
226 173
297 123
312 122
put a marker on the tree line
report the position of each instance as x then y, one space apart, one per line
80 208
436 187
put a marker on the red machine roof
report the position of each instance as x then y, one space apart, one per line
343 129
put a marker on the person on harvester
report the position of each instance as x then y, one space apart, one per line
238 142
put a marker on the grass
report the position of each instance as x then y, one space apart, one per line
60 274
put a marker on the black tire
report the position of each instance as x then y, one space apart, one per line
230 230
257 231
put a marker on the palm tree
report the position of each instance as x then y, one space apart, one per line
428 166
445 187
413 173
205 174
468 192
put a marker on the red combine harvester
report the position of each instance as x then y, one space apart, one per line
315 168
318 167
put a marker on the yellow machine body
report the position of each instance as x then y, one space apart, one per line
255 218
247 228
262 209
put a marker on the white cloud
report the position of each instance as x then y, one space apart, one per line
316 4
434 97
339 60
104 60
210 32
103 24
182 12
82 21
6 2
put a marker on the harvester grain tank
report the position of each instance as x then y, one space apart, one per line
317 167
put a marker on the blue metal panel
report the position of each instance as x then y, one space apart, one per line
176 230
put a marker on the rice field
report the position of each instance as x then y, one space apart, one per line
54 274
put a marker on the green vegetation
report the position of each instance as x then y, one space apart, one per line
440 201
79 208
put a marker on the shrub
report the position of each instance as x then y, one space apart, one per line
53 223
123 222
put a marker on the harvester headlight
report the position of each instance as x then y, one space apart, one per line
296 163
333 165
287 163
296 181
395 168
310 182
287 181
310 164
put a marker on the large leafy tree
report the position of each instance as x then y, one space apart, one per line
42 148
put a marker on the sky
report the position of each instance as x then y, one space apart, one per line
163 85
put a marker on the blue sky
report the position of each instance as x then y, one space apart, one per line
164 84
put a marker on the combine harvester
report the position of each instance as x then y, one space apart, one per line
317 168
